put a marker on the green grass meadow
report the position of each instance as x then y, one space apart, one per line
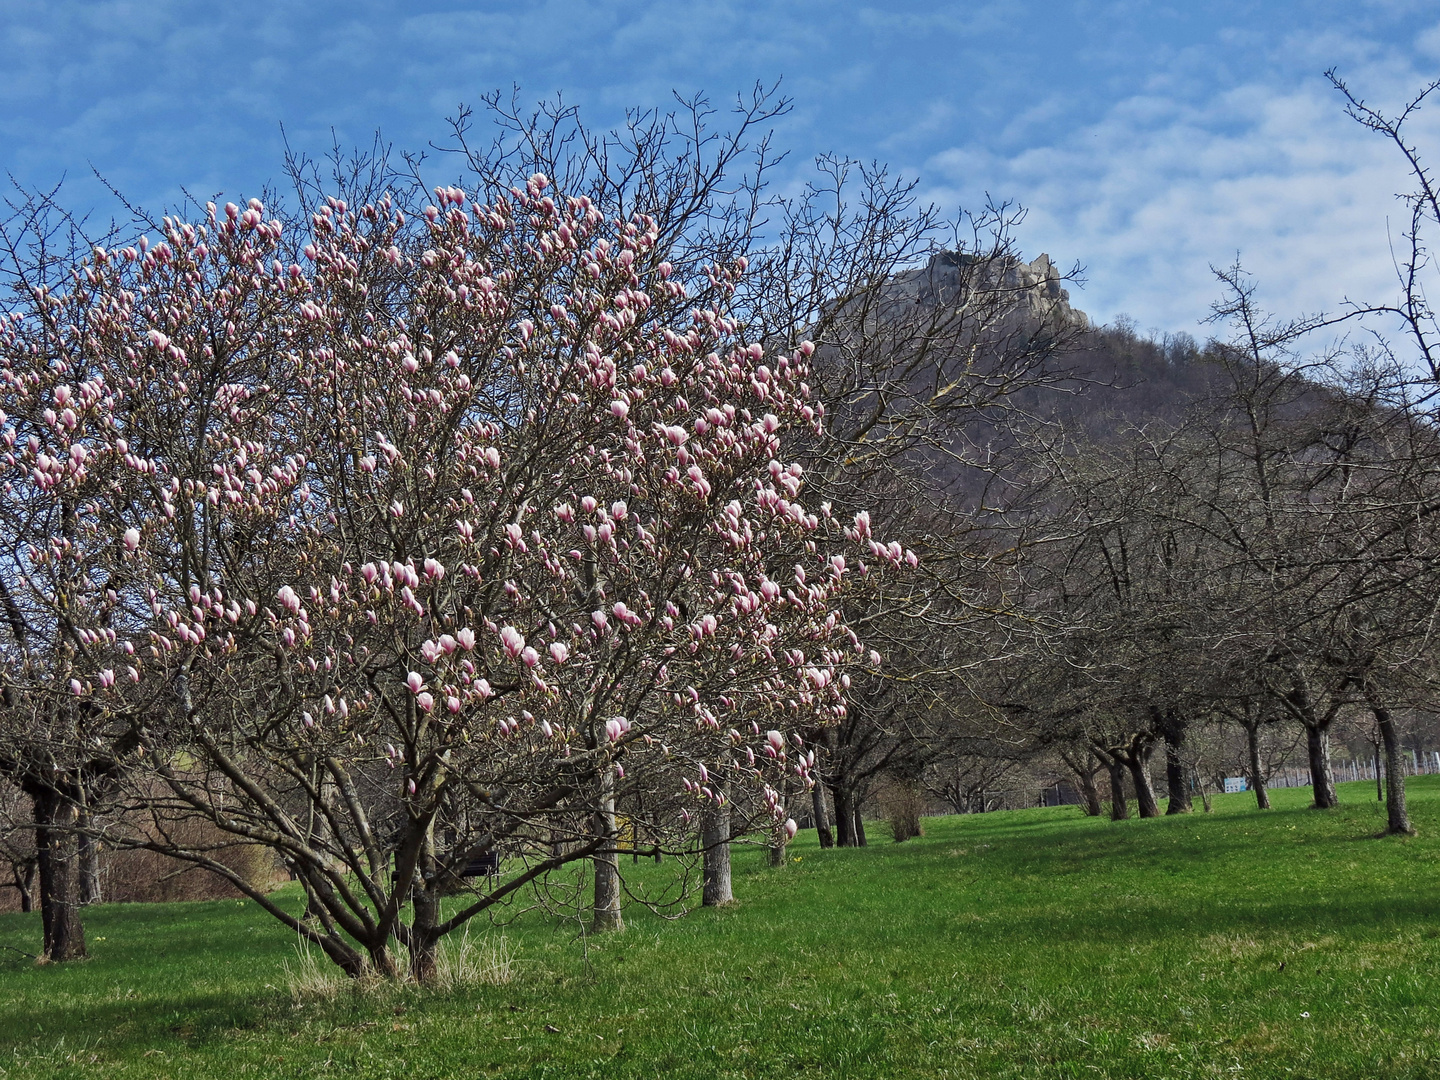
1036 943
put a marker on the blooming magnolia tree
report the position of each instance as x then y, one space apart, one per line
448 539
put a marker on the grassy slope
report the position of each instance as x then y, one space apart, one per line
1034 943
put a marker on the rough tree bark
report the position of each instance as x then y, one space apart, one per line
607 860
844 817
778 850
58 857
715 838
1176 781
422 939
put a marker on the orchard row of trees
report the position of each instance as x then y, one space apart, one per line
1256 549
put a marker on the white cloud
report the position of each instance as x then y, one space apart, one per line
1148 142
1428 42
1158 190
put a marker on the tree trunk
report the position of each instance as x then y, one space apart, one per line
1175 778
1085 778
779 840
425 904
859 829
89 865
1091 794
1257 773
24 875
423 942
1139 765
822 815
1321 780
844 817
1119 808
778 848
607 861
715 838
1379 791
1397 819
58 856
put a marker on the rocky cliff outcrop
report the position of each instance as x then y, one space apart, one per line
1010 286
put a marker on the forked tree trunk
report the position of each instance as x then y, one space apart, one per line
822 815
1257 772
607 860
1322 781
1085 777
1176 780
1397 819
715 838
58 857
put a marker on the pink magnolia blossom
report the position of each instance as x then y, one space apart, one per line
513 641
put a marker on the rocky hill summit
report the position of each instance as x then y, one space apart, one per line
1031 289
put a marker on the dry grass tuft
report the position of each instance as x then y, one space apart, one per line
312 976
482 961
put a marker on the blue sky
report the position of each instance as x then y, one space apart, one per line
1149 141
